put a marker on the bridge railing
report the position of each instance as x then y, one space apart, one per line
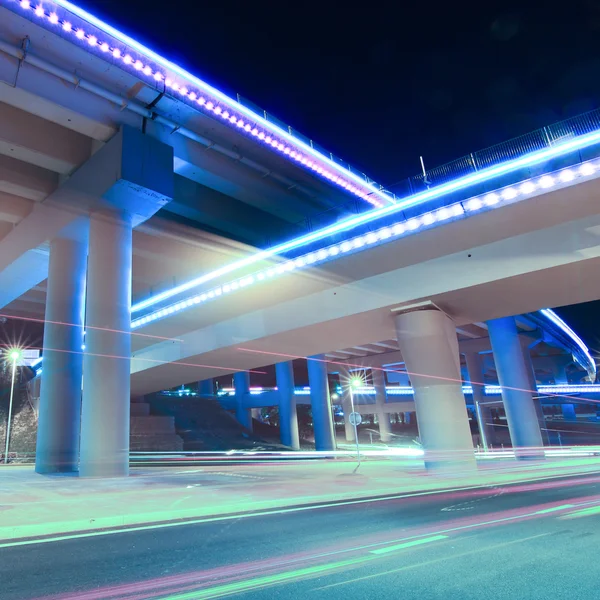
503 152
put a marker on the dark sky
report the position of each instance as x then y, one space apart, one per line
381 83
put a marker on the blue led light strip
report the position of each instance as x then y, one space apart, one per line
360 243
490 390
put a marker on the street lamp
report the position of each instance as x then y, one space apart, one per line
355 382
13 355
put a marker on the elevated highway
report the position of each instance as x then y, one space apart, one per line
224 240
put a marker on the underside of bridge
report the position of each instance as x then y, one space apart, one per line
165 234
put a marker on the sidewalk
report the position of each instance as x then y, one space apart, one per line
33 505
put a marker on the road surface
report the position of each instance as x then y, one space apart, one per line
529 540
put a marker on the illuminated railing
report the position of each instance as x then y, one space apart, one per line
396 390
501 153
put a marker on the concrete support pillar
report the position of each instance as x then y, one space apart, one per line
539 411
320 403
241 383
106 364
206 387
59 418
568 411
521 415
428 342
482 411
288 417
385 429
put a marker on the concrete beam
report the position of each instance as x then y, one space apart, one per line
132 173
43 95
21 179
210 207
14 209
40 142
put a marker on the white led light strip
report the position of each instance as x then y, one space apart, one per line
403 228
212 101
552 316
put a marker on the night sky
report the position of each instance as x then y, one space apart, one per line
379 83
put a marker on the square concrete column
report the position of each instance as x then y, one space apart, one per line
429 346
515 381
385 429
288 417
320 403
59 415
560 378
106 366
206 387
241 383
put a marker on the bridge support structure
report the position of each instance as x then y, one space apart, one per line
521 415
429 346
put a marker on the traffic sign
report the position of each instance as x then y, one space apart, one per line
355 418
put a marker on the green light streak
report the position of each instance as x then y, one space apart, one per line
549 510
260 582
585 512
428 540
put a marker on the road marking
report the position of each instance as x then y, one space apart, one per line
549 510
434 538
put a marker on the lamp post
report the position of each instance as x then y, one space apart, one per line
13 356
355 382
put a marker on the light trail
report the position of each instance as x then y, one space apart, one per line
255 575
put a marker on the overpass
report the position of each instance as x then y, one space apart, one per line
243 243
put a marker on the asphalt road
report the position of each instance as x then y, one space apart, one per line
530 541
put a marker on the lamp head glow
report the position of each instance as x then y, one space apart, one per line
335 396
356 382
14 354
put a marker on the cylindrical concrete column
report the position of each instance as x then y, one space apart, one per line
241 383
521 415
482 411
320 403
288 418
539 411
429 346
385 429
206 387
59 417
106 365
